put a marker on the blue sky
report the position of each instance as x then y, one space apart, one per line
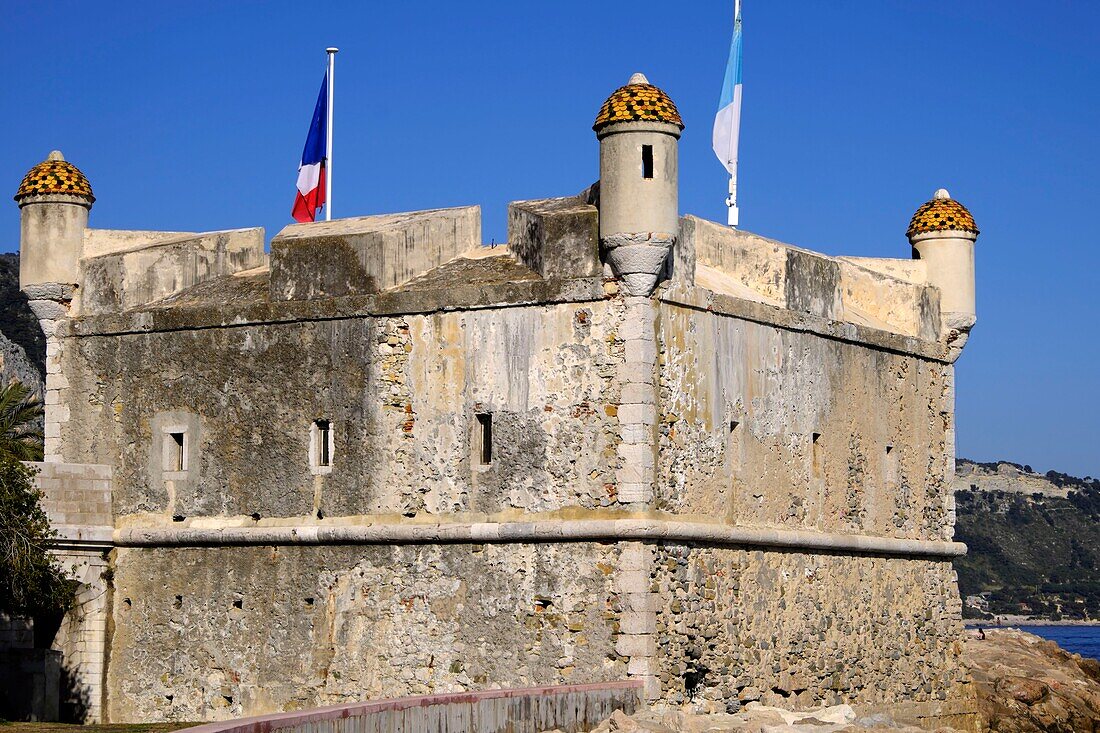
192 116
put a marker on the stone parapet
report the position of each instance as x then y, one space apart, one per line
884 295
149 271
367 254
557 238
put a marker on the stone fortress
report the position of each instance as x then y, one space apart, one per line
385 459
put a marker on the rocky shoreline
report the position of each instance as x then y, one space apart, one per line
1020 683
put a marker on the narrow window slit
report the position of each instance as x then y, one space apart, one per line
485 433
324 458
891 465
647 161
736 452
321 446
818 456
177 454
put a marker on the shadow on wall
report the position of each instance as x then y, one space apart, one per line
72 695
17 322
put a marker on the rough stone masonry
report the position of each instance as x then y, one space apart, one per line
385 459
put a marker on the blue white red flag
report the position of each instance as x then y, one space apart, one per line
311 172
727 123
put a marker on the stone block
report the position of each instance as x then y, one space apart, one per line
642 601
149 272
635 493
641 414
640 372
634 433
637 328
641 352
636 556
557 238
367 254
633 622
48 310
637 454
632 581
634 474
635 645
638 393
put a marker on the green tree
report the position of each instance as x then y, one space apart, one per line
31 581
20 418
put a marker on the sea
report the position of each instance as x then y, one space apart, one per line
1084 640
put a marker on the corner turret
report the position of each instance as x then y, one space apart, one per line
638 128
54 199
942 233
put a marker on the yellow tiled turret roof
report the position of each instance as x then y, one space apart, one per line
638 101
941 214
55 175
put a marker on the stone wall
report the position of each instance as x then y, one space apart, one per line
77 500
222 632
768 426
402 394
644 452
800 630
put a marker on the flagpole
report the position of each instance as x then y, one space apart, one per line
331 51
731 202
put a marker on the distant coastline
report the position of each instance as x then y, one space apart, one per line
1006 621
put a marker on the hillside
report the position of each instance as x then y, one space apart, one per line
22 345
1034 542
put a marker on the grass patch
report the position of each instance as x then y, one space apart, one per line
10 727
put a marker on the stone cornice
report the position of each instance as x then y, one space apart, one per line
364 531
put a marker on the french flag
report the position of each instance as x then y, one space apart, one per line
311 173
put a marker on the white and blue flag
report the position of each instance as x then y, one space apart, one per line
727 123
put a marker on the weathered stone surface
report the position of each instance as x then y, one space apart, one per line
259 629
401 393
638 259
366 254
1024 683
132 278
887 295
740 403
800 630
556 237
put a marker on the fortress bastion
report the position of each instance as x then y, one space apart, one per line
385 459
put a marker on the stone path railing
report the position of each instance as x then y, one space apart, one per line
571 708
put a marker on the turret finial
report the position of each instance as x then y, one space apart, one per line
55 155
941 194
638 78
